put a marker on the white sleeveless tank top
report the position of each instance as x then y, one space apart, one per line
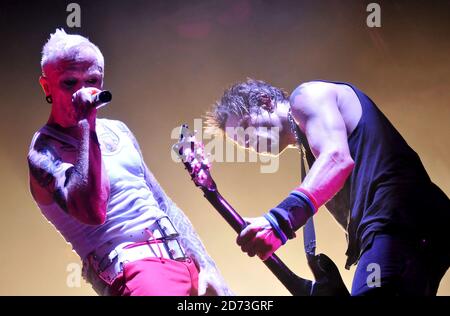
131 207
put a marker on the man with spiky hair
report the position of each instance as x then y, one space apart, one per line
372 182
89 179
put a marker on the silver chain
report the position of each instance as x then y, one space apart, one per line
300 145
294 129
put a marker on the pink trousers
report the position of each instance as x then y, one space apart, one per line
157 277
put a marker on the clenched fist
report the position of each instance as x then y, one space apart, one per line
258 238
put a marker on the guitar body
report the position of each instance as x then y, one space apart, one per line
328 279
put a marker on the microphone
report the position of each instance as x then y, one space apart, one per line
101 99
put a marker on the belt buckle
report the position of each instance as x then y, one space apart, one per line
107 260
166 228
174 250
169 236
101 267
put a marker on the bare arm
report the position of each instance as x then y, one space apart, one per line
314 106
80 189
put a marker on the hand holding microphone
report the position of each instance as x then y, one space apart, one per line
87 100
101 98
91 97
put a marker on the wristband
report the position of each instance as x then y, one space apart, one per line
273 222
292 213
308 197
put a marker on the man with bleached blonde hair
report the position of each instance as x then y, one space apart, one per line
89 179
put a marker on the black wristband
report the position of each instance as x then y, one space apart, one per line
291 214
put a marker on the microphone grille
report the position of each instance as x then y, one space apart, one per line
105 96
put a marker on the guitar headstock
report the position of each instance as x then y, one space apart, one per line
192 154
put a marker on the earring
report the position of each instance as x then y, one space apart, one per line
49 99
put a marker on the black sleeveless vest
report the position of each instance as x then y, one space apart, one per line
389 190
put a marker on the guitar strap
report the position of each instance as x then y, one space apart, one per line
309 233
328 279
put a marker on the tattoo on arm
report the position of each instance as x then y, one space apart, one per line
297 92
78 174
75 187
189 239
43 162
41 168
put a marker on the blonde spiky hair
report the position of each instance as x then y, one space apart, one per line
61 45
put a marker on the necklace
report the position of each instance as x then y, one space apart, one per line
294 129
300 145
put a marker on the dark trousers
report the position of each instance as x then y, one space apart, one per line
394 265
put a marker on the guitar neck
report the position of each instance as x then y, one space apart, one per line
295 284
225 209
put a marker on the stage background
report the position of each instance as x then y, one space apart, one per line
168 61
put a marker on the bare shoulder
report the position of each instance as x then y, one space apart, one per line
310 98
325 100
312 91
317 90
